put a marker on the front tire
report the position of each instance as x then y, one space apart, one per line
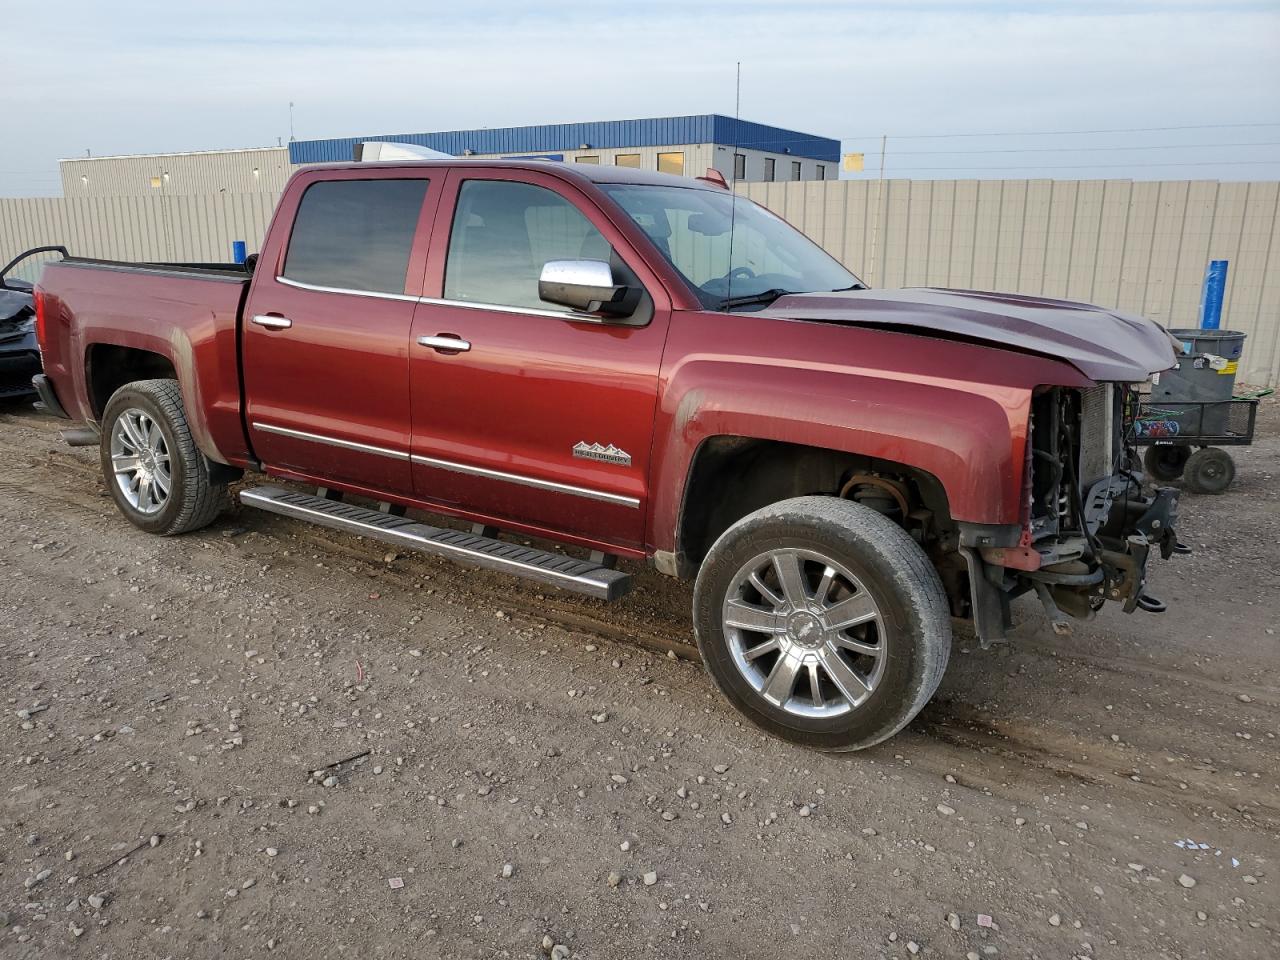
823 622
155 472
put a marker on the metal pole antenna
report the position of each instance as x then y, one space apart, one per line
733 176
875 230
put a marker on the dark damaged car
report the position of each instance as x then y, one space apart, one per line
19 352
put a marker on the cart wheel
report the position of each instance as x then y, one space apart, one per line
1210 471
1167 462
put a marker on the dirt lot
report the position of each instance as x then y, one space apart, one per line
536 761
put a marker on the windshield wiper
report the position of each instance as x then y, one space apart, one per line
764 296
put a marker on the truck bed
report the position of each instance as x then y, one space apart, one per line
102 315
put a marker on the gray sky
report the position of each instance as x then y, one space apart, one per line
136 77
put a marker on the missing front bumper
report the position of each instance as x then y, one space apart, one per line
1073 577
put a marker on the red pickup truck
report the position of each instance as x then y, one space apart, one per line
637 366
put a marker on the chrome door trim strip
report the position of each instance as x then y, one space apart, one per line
331 441
502 308
441 302
454 467
587 492
350 293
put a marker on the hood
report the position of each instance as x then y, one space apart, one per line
1101 344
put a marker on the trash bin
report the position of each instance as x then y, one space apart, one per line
1205 371
1206 367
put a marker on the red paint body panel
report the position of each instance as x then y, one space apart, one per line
957 411
188 319
533 386
341 370
529 389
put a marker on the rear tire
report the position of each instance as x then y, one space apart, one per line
1166 463
823 622
155 472
1209 471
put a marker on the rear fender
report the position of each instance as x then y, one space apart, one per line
178 351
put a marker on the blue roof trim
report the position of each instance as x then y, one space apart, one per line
604 135
760 136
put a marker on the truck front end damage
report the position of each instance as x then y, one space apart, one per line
1091 523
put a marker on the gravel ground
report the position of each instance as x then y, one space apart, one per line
543 775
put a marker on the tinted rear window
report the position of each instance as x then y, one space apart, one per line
355 234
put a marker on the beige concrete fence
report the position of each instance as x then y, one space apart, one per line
198 228
1140 247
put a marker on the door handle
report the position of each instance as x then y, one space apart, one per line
446 343
272 321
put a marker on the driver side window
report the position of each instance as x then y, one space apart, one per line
503 232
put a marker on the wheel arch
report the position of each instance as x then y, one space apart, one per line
109 366
731 476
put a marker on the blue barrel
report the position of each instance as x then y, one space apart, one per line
237 251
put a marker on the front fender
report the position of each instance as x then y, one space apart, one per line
956 411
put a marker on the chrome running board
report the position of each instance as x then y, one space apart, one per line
580 576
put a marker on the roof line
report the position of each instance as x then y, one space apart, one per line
174 153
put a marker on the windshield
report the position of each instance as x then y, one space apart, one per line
763 258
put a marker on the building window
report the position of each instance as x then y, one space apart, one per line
768 168
739 166
588 159
504 232
631 160
822 172
671 163
355 234
795 170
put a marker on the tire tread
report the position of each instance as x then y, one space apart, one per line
912 572
201 499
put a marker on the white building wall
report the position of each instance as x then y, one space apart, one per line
267 170
203 173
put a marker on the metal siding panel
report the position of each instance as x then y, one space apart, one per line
1193 252
1139 237
1226 241
964 222
1112 238
1247 275
986 233
1062 220
1262 355
1008 253
938 250
915 264
1171 209
1086 221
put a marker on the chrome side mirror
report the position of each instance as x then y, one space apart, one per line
586 285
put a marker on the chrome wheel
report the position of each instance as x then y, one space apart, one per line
140 461
804 632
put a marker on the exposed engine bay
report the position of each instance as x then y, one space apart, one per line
1091 519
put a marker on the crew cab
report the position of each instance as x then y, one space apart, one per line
637 366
